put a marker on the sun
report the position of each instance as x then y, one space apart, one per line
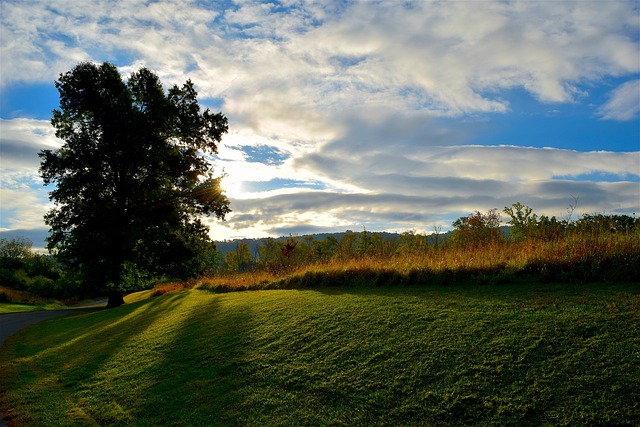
232 186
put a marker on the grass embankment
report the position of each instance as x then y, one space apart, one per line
466 355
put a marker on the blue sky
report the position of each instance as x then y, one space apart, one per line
389 115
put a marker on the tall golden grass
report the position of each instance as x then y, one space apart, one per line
574 257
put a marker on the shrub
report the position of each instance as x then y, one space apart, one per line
11 279
42 286
15 249
69 286
239 260
40 265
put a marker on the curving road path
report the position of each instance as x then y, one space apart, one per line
13 322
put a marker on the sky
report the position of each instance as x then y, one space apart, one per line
378 115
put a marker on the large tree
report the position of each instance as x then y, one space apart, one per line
132 180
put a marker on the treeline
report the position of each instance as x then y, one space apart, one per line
475 230
23 269
278 254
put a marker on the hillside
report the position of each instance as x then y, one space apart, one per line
550 354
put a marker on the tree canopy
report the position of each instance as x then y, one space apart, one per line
476 228
132 180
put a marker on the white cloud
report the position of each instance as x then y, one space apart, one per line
406 153
20 142
377 175
23 207
449 55
325 210
24 200
352 93
624 102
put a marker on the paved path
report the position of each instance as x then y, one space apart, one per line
12 322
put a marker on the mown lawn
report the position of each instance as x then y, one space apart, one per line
8 307
466 355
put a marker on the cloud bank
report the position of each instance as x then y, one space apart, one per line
350 114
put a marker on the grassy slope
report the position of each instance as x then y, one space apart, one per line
510 355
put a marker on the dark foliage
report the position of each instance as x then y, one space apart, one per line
131 182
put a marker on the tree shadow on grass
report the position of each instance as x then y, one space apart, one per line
202 371
86 342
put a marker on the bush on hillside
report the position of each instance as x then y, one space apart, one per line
10 279
43 286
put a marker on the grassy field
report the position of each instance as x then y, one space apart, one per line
525 354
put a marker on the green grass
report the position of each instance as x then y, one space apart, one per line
8 307
545 354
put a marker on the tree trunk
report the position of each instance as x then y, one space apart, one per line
116 299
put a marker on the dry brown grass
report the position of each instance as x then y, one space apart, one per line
171 287
575 256
23 297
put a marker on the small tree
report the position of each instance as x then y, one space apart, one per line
364 245
602 224
14 252
437 229
347 246
477 228
288 247
412 242
131 180
550 228
269 254
238 260
523 221
326 248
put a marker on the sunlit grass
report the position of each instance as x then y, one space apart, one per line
548 354
6 307
37 303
